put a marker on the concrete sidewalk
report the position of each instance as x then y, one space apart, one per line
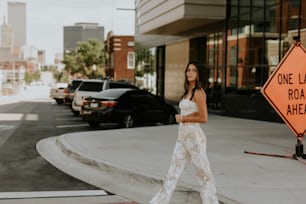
32 93
133 162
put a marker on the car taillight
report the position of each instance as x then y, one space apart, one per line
66 91
109 103
84 103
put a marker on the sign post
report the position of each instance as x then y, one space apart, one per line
285 90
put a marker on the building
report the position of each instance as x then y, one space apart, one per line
58 58
16 57
81 32
237 43
6 43
41 57
17 19
121 61
7 38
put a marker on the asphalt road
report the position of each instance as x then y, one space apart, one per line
22 124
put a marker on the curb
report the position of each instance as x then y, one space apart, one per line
124 182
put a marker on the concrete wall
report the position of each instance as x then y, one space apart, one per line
169 17
177 57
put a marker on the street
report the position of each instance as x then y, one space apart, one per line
22 124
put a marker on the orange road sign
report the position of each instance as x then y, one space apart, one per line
285 89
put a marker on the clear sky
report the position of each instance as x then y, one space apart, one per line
46 19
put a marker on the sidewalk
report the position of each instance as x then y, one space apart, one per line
133 162
37 93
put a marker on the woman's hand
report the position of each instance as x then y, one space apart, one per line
178 118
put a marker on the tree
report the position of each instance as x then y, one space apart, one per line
144 60
88 59
32 76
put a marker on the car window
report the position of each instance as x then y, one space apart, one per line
75 84
114 85
135 97
151 99
91 86
111 93
143 97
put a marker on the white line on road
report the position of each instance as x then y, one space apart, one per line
60 113
5 132
50 194
75 125
68 119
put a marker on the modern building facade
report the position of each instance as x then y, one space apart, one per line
237 44
81 32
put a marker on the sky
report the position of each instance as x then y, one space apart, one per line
46 19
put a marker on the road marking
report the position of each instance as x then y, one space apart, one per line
50 194
60 113
31 117
17 116
11 116
69 119
7 127
5 133
74 125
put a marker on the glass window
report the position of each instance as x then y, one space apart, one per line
131 60
295 3
111 93
294 23
233 55
113 85
91 86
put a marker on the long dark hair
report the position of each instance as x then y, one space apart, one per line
186 83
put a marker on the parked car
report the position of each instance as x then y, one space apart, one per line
89 87
58 92
127 107
71 89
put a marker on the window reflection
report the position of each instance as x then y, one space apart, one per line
259 33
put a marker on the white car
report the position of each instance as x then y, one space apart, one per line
58 92
89 87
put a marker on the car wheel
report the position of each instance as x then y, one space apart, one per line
59 101
75 112
171 119
127 121
94 123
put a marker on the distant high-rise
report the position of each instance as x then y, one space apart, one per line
41 57
81 32
6 34
6 41
17 19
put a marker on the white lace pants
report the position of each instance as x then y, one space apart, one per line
191 145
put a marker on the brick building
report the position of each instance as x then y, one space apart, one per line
121 61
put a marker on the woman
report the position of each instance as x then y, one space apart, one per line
191 142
